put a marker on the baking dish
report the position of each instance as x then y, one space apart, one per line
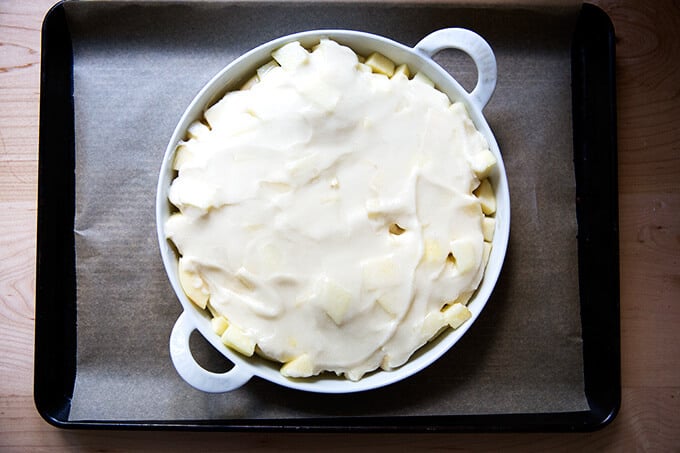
419 58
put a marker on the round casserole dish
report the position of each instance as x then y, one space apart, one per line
419 58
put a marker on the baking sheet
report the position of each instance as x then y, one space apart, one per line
137 66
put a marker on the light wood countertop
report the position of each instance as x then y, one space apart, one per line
648 76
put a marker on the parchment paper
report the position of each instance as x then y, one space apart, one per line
137 67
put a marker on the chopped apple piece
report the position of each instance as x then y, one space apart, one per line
251 82
236 124
376 207
219 324
291 55
380 64
463 252
263 70
334 299
432 323
486 197
486 252
192 283
196 129
379 272
315 47
373 207
385 362
433 251
173 224
230 115
299 367
390 303
420 77
403 70
456 314
212 310
488 228
464 298
183 154
194 198
362 67
236 339
355 374
482 163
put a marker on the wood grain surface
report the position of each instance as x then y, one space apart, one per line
648 73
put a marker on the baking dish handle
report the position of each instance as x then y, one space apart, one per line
192 372
473 45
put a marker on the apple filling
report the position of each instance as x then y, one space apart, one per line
334 214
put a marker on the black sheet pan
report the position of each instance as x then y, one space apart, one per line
595 163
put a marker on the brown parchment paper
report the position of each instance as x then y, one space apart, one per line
136 68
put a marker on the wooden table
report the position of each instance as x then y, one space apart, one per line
648 71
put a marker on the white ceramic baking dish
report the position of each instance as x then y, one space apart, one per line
418 58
